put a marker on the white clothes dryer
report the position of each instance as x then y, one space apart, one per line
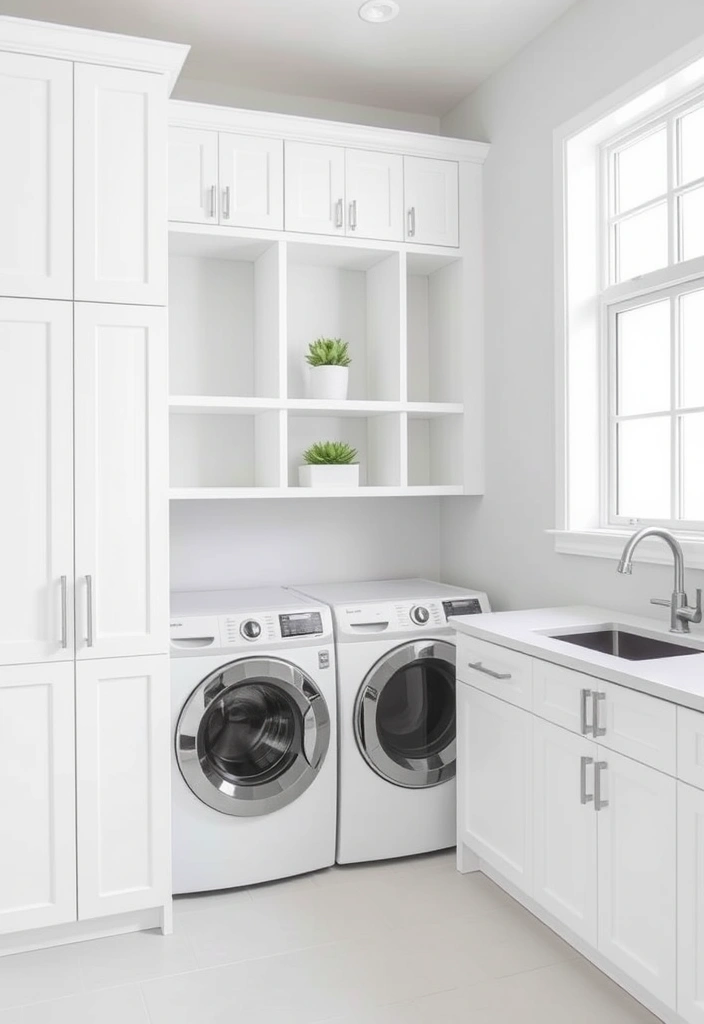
396 705
254 763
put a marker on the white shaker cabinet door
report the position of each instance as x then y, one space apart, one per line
123 780
36 177
690 903
36 468
120 185
637 853
121 481
193 176
251 181
494 768
374 194
315 188
37 797
431 190
564 828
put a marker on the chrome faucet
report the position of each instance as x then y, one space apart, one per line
680 612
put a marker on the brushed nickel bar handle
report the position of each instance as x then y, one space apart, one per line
353 215
584 762
64 613
226 202
89 611
599 802
213 201
478 667
583 724
411 222
339 216
597 698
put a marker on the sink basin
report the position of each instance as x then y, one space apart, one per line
622 644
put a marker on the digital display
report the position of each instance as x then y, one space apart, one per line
469 606
301 624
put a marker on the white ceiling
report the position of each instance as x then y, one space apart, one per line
425 61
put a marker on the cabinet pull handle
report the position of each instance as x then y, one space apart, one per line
597 698
584 762
338 214
599 802
89 611
353 215
411 222
478 667
226 202
64 613
584 725
213 200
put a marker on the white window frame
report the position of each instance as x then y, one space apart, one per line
586 300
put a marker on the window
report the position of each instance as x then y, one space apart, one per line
652 375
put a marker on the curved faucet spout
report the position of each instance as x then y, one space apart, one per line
626 564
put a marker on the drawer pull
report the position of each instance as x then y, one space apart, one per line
478 667
597 699
586 798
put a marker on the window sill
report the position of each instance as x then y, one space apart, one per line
609 544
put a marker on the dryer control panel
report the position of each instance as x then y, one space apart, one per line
364 619
201 634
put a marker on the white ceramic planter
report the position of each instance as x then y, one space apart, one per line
328 382
329 476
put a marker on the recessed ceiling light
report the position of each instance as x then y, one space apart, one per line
377 11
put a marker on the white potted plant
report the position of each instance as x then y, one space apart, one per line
329 464
328 369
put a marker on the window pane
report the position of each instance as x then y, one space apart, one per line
691 206
693 466
644 468
643 347
692 327
641 171
641 243
692 146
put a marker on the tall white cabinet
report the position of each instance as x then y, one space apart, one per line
84 695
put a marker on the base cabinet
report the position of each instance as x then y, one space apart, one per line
690 903
37 797
123 773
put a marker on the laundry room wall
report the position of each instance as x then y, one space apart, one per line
499 542
222 544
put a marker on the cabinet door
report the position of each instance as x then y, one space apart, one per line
251 181
495 764
564 828
37 797
315 188
193 176
123 766
431 189
36 467
36 177
374 194
690 904
121 481
637 873
120 185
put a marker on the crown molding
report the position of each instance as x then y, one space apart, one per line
64 42
186 114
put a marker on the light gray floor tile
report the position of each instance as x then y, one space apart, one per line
41 975
107 1006
127 959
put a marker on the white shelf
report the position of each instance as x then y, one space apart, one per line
228 493
224 405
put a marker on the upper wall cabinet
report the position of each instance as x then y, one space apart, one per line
336 191
120 174
36 175
225 178
431 191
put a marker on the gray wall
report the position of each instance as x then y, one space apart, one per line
499 541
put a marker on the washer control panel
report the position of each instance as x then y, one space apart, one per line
365 619
255 628
301 624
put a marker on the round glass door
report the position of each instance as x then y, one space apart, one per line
405 719
252 736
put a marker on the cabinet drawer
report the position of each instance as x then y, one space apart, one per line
497 670
564 697
637 725
690 747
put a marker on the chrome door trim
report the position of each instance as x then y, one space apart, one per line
250 800
412 773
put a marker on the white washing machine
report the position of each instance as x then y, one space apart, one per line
396 706
254 729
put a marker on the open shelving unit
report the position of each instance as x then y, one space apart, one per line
244 307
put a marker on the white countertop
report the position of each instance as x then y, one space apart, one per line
679 680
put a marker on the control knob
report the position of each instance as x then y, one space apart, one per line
420 615
250 629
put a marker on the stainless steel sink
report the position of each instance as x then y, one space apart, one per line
622 644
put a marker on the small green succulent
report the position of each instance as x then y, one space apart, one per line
329 453
328 352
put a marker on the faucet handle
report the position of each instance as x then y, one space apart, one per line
666 602
688 614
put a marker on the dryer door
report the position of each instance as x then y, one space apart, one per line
252 736
405 715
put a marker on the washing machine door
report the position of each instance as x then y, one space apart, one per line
405 715
252 736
